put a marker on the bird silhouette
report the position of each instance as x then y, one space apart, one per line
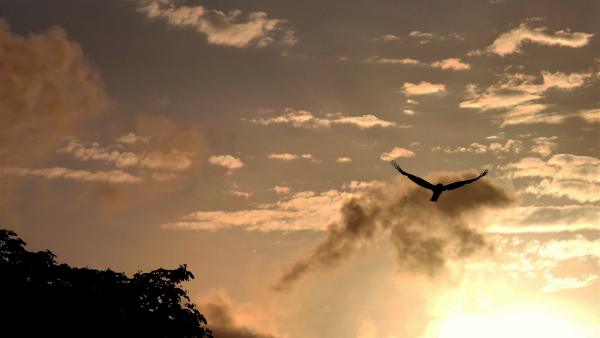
438 188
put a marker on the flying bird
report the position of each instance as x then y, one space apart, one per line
438 188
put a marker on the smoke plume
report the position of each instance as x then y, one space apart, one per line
424 234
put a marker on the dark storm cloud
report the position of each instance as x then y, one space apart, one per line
424 234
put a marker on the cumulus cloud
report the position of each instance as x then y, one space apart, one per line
451 63
220 28
563 175
174 160
544 260
364 121
512 41
423 88
131 138
226 161
305 119
45 95
425 235
544 146
546 219
395 153
111 176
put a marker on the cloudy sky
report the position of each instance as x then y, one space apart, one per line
251 141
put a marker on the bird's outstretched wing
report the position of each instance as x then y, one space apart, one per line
413 178
459 184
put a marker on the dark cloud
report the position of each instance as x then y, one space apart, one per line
47 87
424 234
219 314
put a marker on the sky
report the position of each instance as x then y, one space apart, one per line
251 141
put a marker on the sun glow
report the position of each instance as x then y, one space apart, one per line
519 322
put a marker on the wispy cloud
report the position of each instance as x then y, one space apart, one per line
306 119
512 41
517 95
450 63
305 210
131 138
174 160
220 28
111 176
291 157
343 159
427 37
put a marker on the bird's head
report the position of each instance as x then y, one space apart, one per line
439 186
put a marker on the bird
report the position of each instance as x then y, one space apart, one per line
438 188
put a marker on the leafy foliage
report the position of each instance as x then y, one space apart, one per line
39 297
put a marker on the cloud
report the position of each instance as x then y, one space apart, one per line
563 175
395 153
451 63
227 319
590 115
427 37
544 146
45 95
423 88
304 210
512 41
239 193
225 29
494 99
364 121
111 176
408 112
386 37
510 146
529 114
424 234
174 160
554 284
291 157
132 138
281 190
343 160
518 92
226 161
388 61
544 260
546 219
305 119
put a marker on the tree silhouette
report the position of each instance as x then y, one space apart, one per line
40 298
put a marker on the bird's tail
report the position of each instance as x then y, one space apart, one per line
435 196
